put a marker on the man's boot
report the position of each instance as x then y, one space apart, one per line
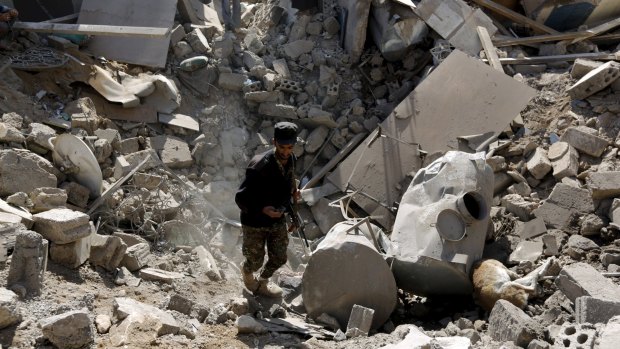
267 289
249 280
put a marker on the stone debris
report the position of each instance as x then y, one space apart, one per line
126 307
247 324
9 308
28 264
509 323
70 330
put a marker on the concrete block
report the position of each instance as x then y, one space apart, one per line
591 224
278 110
129 145
595 80
281 67
44 199
251 59
177 34
582 66
232 81
583 139
564 207
181 304
121 167
538 164
130 239
361 319
264 96
28 262
531 229
509 323
609 336
62 225
576 336
111 135
153 274
517 205
77 194
298 47
325 216
9 308
146 180
69 330
551 245
315 139
248 325
10 134
604 184
72 254
136 256
107 251
564 159
222 46
136 158
593 310
582 243
580 279
40 135
526 251
198 41
173 152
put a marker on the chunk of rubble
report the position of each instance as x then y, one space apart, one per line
604 184
585 140
44 199
582 66
28 263
610 335
526 251
107 251
248 325
136 329
10 134
70 330
594 310
509 323
124 307
136 256
538 164
9 308
103 323
564 159
153 274
62 225
360 321
13 165
581 279
72 254
565 206
173 151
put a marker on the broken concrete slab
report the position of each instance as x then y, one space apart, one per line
179 120
595 80
282 111
124 307
173 151
564 207
509 323
580 279
531 229
456 22
476 93
526 251
72 329
24 216
538 163
355 26
395 39
136 256
585 140
583 66
141 51
13 165
200 14
564 159
604 184
44 199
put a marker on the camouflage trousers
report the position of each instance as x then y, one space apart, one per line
275 238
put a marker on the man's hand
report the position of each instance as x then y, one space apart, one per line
272 212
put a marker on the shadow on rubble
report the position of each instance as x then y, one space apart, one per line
79 275
70 275
434 313
6 336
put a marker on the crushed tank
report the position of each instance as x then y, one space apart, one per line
441 225
347 269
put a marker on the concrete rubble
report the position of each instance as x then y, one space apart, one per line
433 134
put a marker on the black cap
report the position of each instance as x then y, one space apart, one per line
285 132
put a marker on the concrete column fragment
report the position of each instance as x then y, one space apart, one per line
62 225
360 319
28 262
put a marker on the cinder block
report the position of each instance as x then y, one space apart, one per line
595 80
509 323
583 139
72 254
593 310
360 318
604 184
576 336
580 279
582 66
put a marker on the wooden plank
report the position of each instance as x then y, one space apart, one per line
560 58
93 29
489 49
515 16
600 29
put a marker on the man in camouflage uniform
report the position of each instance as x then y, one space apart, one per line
7 18
268 187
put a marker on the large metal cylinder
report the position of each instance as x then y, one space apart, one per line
441 225
347 269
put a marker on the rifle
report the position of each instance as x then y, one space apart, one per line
297 221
